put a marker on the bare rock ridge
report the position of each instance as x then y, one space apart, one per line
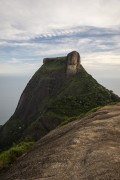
72 61
86 149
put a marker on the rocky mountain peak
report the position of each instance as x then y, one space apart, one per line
73 63
59 90
72 60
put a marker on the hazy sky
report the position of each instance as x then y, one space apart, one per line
31 30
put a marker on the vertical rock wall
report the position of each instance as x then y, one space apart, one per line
73 63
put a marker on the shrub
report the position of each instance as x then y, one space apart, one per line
9 156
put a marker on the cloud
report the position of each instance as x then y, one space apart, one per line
26 19
13 61
18 68
31 30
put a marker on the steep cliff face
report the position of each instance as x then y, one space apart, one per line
60 89
73 63
33 102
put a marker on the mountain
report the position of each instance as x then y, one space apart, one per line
59 90
85 149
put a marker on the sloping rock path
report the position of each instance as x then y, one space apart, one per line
86 149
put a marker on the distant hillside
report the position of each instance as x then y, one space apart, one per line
86 149
59 90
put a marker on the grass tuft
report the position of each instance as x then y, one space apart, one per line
9 156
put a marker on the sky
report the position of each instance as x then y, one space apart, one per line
32 30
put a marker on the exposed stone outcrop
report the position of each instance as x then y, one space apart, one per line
72 60
73 63
87 149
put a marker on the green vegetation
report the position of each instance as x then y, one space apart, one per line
51 98
82 115
55 59
42 126
80 94
9 156
93 110
54 65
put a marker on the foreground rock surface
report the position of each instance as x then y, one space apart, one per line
84 149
